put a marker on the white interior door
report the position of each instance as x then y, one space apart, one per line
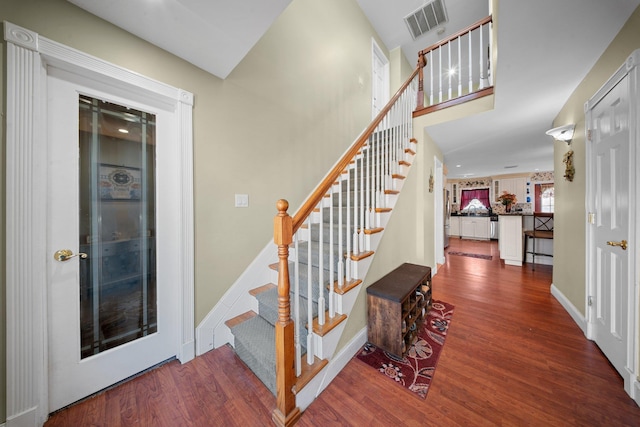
380 80
114 312
610 256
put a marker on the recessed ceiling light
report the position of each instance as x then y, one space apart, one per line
458 166
123 130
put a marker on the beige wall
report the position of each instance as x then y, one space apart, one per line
569 245
271 130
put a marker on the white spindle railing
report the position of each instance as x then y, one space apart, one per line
341 221
464 57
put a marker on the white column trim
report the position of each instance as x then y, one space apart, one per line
28 54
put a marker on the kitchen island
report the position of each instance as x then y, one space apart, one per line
511 238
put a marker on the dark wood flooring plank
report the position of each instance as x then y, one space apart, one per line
513 357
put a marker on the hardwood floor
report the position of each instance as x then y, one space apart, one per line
513 357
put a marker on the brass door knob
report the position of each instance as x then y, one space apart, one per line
622 244
66 254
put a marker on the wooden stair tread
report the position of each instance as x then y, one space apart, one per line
409 151
398 176
382 210
415 141
308 372
373 230
329 324
391 192
260 289
404 163
240 318
361 255
346 287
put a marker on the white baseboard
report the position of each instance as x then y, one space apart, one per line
575 314
636 391
187 352
27 418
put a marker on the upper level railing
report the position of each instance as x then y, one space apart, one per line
456 69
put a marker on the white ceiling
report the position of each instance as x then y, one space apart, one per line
545 48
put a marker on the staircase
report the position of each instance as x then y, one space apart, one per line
286 313
254 333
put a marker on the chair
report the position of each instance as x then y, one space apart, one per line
542 229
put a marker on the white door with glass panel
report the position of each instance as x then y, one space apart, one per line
113 290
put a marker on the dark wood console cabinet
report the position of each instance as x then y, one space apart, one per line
397 305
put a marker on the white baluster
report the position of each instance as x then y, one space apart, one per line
440 74
331 257
348 230
449 70
459 66
481 55
340 231
362 210
368 185
431 77
296 306
321 268
356 246
309 299
470 33
489 73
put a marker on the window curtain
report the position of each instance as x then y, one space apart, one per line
468 195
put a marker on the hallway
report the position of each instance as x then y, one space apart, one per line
513 357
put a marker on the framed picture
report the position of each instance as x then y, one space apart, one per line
119 182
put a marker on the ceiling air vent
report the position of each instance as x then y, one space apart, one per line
426 18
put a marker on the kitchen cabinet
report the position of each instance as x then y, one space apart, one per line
454 226
517 186
474 228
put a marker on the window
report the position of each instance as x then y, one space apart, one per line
544 197
475 199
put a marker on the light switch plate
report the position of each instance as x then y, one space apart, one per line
242 200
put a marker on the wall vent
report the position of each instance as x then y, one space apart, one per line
428 17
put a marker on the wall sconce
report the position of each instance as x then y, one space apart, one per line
565 133
562 133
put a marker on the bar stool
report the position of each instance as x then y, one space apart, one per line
542 229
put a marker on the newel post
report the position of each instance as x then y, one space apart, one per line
286 413
422 61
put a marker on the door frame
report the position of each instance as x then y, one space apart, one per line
630 67
28 57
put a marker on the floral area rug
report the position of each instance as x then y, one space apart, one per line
470 255
415 371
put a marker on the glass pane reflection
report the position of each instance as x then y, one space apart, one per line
117 225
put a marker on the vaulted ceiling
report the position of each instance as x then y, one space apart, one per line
545 47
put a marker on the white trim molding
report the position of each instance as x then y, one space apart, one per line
575 314
28 56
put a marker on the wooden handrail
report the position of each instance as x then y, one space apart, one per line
456 35
324 186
